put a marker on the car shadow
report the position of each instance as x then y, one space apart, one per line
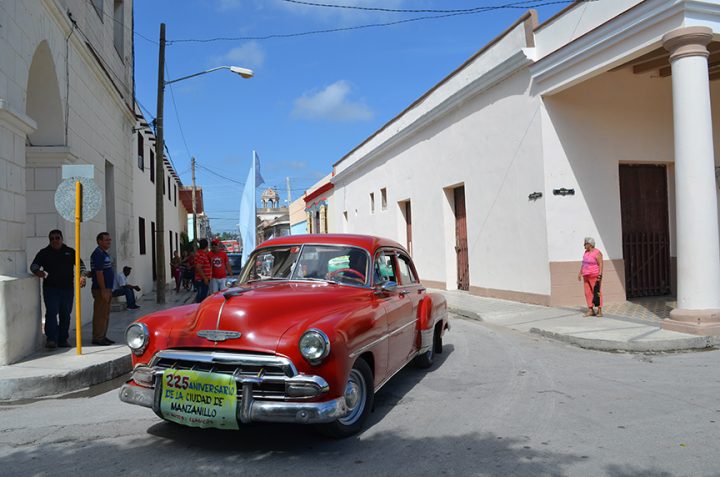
395 390
391 394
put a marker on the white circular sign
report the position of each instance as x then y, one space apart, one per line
65 198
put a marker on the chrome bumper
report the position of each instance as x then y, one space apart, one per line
251 410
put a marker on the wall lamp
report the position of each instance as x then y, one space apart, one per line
563 191
535 196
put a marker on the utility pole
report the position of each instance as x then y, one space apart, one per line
194 206
159 176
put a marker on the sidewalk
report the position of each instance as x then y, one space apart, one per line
625 327
62 370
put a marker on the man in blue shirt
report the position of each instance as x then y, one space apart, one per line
102 285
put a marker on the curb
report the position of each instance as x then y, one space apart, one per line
465 313
63 382
684 344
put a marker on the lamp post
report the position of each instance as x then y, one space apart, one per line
159 158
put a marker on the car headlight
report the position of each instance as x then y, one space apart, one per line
314 346
137 337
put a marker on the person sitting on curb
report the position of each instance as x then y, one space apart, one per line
123 288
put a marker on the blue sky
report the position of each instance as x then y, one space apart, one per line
314 97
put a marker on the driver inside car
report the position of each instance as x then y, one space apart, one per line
355 270
357 261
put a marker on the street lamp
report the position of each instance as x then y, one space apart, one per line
159 159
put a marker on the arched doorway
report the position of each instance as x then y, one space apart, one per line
43 103
45 149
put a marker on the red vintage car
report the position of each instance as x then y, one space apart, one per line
314 326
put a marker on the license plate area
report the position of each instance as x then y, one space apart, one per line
198 398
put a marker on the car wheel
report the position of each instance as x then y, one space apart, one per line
359 397
426 359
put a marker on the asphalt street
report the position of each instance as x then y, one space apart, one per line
497 402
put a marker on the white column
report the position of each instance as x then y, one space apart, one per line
698 251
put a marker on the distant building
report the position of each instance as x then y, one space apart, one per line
273 220
308 214
186 194
143 258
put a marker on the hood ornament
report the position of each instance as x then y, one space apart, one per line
218 335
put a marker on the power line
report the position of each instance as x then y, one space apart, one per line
391 10
132 30
218 175
521 5
146 110
177 114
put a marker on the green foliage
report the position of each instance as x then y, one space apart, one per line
185 243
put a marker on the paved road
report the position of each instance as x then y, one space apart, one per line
498 402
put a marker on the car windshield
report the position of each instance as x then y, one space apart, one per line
335 263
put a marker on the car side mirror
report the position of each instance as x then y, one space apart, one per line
386 288
231 282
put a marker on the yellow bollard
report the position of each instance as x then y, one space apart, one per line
78 302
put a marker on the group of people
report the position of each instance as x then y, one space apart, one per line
55 265
208 269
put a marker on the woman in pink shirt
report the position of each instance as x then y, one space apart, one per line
591 273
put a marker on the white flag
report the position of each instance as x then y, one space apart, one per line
248 226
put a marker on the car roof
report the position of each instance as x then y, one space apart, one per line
368 242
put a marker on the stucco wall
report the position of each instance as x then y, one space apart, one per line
82 116
588 131
491 145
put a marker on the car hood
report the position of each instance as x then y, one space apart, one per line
262 313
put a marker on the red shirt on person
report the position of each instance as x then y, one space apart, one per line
219 262
202 258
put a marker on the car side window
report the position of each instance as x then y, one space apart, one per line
407 276
384 268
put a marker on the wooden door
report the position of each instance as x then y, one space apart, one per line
461 247
408 226
646 240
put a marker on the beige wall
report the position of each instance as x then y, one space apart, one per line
55 109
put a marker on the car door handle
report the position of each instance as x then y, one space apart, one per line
420 290
402 293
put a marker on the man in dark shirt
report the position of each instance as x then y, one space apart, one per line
54 264
103 276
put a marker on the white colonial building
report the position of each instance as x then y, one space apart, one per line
597 122
143 260
66 97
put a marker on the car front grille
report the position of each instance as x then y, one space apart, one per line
268 373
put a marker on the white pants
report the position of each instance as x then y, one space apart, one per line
217 284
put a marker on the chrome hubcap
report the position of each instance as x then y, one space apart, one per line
354 397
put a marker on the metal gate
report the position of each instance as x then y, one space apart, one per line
646 240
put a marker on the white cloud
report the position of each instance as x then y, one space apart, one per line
249 55
332 103
224 5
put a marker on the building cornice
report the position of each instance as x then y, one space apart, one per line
521 59
528 20
19 123
638 29
51 154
